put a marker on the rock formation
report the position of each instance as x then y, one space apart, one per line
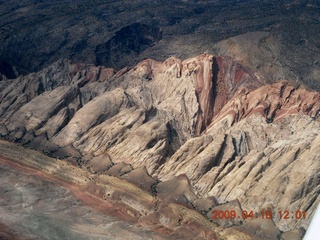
197 133
280 38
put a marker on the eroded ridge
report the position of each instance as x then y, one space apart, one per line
207 123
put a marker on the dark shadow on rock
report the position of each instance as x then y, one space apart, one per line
127 44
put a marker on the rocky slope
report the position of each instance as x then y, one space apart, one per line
282 42
37 208
51 199
199 133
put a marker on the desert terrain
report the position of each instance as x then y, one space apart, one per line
159 120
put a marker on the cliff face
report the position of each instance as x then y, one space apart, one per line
206 121
69 102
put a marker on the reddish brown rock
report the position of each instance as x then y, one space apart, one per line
274 102
140 178
230 76
177 190
206 127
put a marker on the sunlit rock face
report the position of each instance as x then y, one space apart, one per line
168 111
196 132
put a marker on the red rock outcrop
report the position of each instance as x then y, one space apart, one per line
208 122
273 102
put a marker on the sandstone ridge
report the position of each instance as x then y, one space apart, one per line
203 128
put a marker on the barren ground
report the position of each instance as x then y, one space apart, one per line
38 206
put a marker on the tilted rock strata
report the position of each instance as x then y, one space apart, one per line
206 118
117 197
166 93
257 164
273 102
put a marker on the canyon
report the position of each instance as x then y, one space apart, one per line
159 120
172 141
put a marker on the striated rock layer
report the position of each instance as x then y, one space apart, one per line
206 122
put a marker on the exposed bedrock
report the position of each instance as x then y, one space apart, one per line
206 121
